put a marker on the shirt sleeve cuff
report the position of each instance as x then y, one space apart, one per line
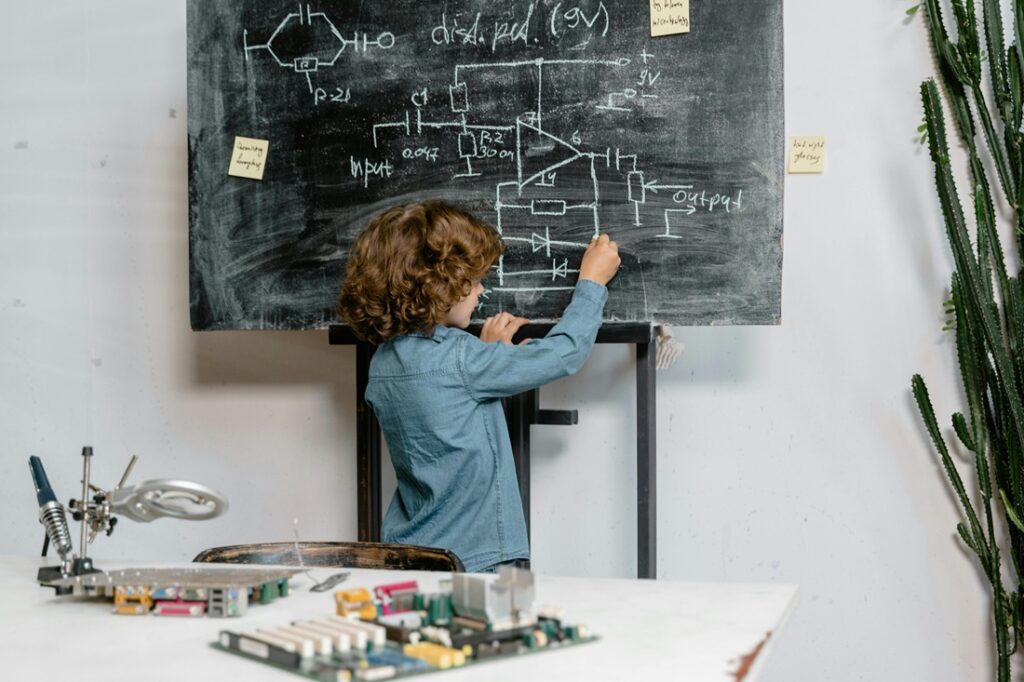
592 291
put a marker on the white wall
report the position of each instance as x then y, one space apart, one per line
787 454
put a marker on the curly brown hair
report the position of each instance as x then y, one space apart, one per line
411 265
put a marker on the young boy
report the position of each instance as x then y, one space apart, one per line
411 286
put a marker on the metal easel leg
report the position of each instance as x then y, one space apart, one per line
521 413
646 462
367 452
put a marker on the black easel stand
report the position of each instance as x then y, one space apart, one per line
522 411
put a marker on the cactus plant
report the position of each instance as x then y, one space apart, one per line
983 81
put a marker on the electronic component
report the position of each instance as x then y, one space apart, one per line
375 634
492 649
356 602
275 650
402 627
436 655
474 638
396 597
439 609
400 661
132 601
337 639
227 601
179 608
503 601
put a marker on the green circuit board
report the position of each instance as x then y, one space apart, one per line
380 664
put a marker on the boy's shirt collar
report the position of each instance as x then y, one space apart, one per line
437 335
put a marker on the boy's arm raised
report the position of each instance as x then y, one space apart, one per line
494 370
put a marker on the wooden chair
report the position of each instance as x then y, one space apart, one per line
337 554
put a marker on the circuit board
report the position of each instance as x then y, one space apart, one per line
192 576
400 631
193 591
389 662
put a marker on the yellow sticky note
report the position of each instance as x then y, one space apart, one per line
669 17
249 158
807 154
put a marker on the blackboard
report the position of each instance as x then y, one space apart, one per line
549 119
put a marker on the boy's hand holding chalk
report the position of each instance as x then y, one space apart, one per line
601 260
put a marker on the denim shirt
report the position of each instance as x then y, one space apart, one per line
437 397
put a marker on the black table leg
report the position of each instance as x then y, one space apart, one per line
367 452
521 411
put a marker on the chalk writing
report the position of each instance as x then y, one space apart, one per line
340 95
321 43
447 32
554 120
563 21
429 153
513 31
366 169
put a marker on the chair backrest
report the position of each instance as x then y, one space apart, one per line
337 554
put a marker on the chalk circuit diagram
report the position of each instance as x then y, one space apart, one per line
530 199
308 41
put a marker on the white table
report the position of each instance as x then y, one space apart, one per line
649 630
